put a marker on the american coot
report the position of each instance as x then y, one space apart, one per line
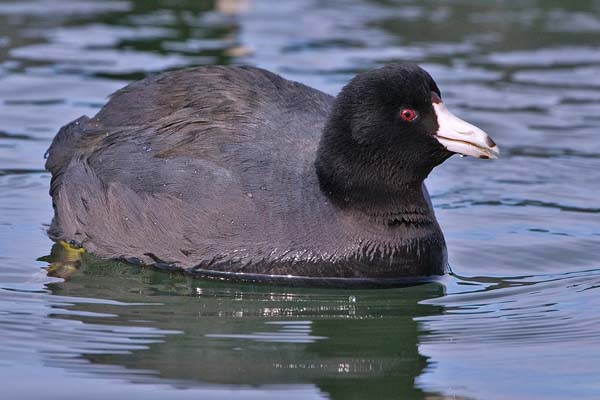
235 172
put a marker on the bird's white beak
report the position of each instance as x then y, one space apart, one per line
461 137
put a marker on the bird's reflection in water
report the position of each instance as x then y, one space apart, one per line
174 329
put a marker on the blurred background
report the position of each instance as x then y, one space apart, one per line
519 317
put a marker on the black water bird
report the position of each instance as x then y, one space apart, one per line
235 172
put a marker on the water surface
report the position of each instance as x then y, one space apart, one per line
518 319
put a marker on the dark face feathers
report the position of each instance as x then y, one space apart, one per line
367 148
375 100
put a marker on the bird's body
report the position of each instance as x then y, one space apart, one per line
214 169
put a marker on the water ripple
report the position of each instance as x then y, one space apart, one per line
513 311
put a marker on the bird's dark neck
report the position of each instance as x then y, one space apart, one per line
360 184
405 204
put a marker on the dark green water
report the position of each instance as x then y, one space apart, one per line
520 319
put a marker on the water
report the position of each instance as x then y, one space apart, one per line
520 317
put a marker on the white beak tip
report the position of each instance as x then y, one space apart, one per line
493 153
461 137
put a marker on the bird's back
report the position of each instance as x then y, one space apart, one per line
190 165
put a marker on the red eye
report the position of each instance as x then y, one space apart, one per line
408 114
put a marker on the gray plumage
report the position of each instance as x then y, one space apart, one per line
213 168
